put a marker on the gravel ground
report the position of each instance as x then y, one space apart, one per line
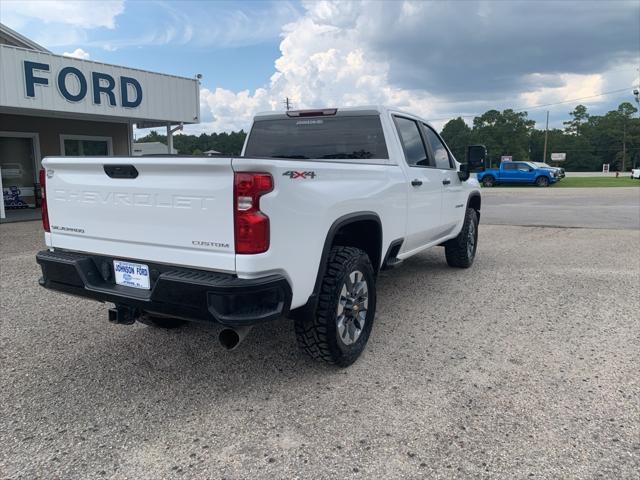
525 366
617 208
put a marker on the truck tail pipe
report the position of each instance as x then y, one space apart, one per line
230 338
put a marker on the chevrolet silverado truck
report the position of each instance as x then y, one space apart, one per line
299 225
518 173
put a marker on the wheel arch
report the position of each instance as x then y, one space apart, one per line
358 229
475 201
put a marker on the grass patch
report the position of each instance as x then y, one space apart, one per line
582 182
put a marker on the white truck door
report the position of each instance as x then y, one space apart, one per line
453 203
424 222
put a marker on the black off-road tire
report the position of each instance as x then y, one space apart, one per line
461 251
542 182
488 181
317 334
161 322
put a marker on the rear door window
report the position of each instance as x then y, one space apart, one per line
440 152
412 144
346 137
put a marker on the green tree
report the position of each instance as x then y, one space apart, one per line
579 117
457 135
504 133
226 143
152 136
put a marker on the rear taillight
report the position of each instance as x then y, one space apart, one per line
43 201
251 226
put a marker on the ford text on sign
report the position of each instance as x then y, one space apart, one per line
44 82
102 85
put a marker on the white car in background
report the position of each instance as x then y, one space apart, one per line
635 173
558 170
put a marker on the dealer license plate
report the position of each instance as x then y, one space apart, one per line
129 274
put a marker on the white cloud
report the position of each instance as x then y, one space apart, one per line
423 57
83 14
78 53
207 24
572 86
320 65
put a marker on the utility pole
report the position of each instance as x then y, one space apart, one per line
546 134
287 104
624 142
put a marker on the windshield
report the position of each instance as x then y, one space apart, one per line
358 137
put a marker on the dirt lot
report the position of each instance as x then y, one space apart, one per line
525 366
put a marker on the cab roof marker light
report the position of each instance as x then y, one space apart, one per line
312 113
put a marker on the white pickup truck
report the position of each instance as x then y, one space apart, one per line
298 225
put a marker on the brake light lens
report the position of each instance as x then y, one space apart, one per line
251 226
43 196
312 113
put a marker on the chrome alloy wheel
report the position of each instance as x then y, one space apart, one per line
353 303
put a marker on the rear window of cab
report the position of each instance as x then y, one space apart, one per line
325 138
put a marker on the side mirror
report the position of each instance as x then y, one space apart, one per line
463 173
476 158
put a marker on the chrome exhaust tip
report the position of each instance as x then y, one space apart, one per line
230 338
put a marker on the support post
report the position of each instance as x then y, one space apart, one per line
546 134
169 139
170 132
624 143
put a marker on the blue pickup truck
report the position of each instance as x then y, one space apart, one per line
519 173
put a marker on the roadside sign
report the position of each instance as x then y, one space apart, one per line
558 157
506 158
605 168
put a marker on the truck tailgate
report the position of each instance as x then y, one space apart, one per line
175 210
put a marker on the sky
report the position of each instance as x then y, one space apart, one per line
436 59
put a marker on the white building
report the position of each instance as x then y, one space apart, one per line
56 105
150 148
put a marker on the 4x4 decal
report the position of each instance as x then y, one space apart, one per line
292 174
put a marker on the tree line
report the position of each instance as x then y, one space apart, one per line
588 140
226 143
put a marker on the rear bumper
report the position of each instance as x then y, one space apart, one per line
191 294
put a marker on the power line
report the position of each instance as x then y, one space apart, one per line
532 107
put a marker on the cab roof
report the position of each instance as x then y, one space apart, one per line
335 111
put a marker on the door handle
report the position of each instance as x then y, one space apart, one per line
446 181
416 183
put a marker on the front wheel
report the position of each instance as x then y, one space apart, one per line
488 181
338 331
542 182
461 251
